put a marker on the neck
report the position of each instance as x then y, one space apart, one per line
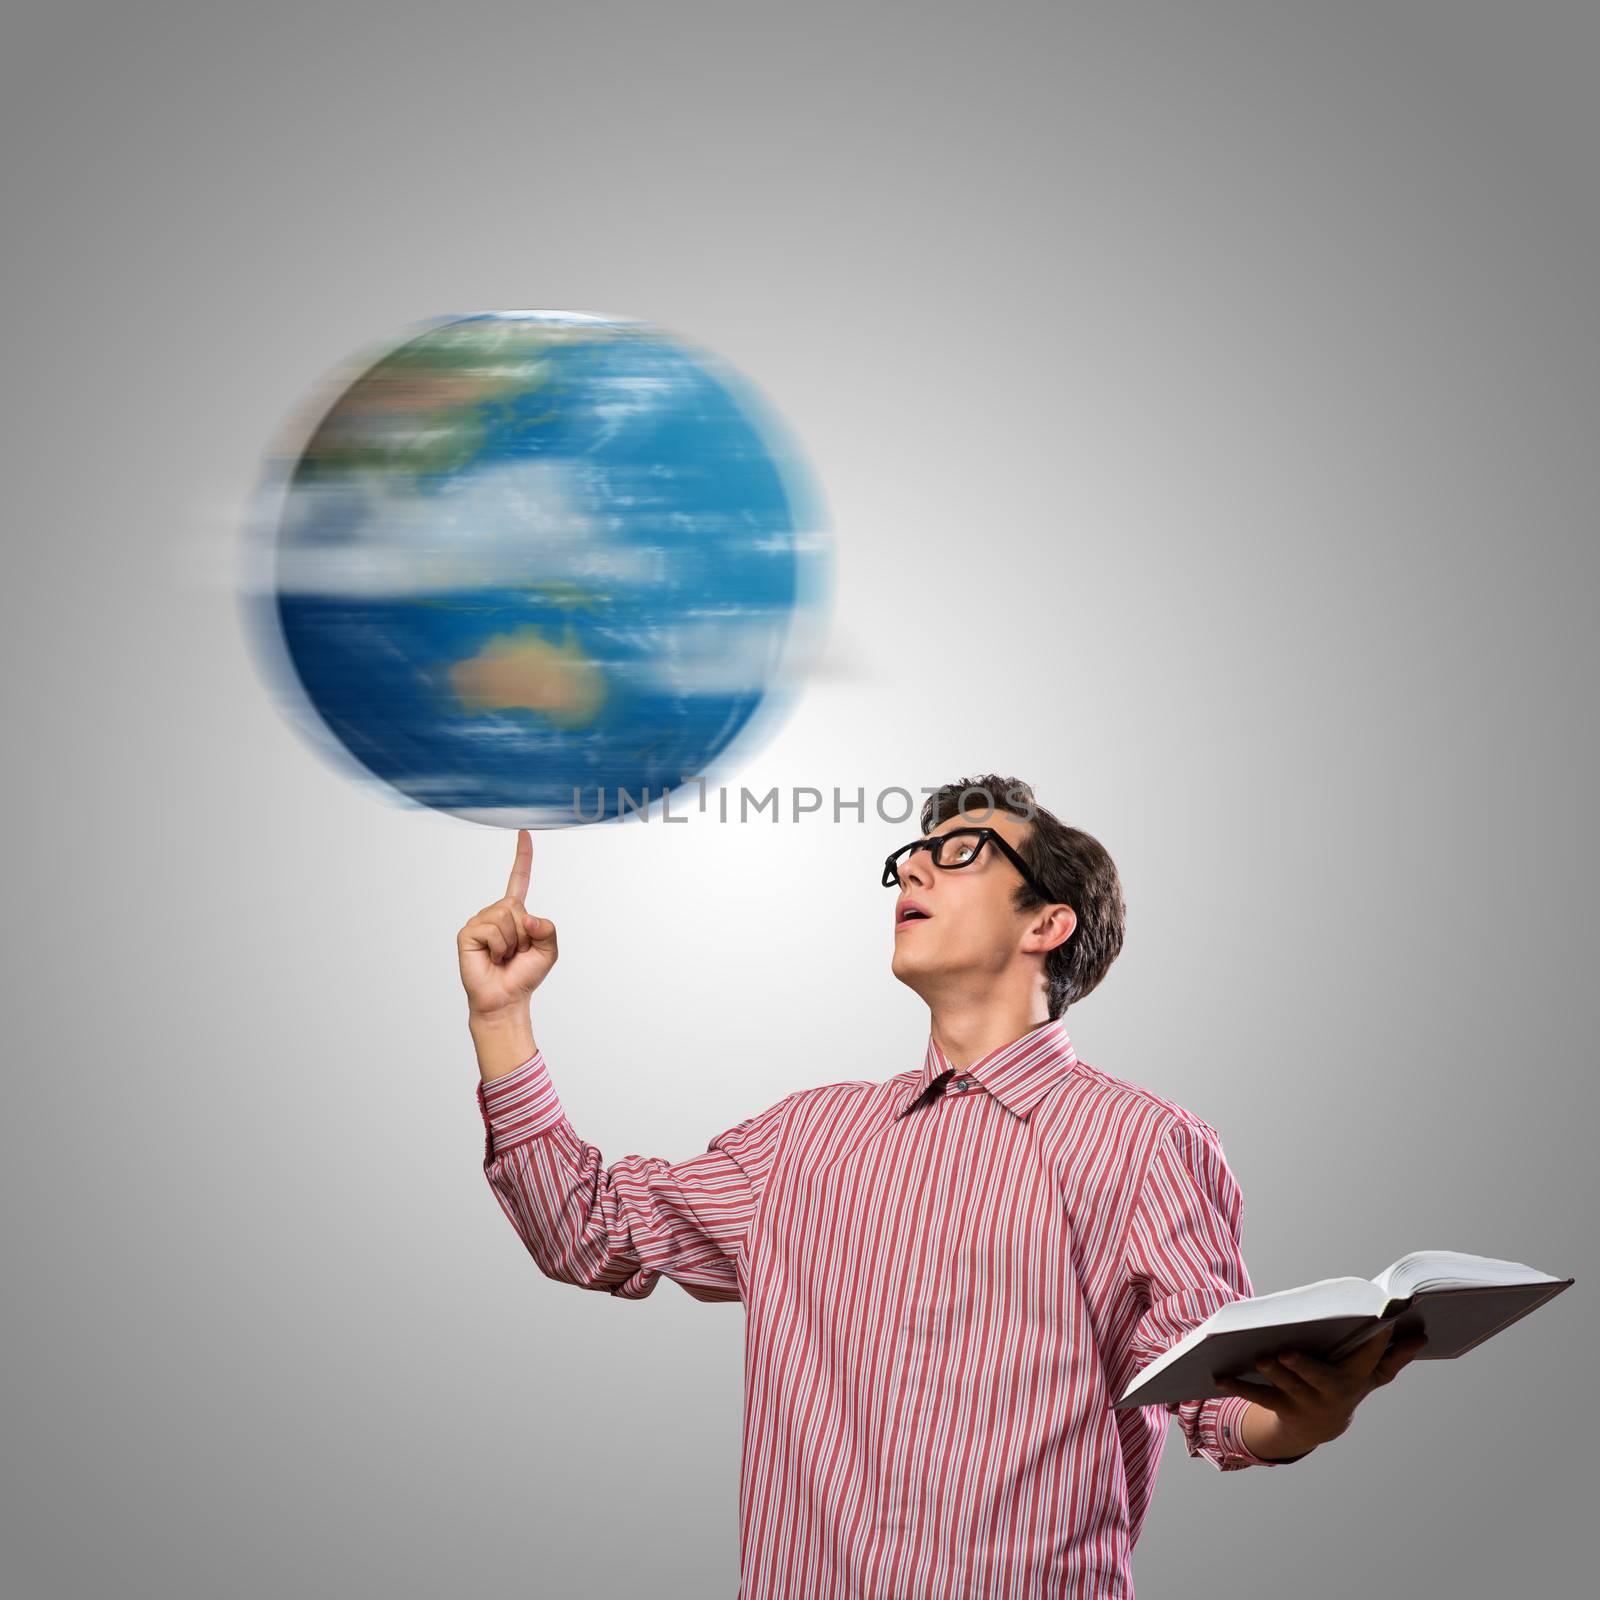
968 1030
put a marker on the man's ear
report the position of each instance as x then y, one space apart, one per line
1054 925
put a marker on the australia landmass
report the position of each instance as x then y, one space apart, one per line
523 670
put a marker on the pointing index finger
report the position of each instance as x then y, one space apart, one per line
521 868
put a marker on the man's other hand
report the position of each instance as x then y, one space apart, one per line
1311 1401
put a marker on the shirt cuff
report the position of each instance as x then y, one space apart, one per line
1230 1434
518 1105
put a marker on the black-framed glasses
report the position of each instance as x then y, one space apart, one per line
960 847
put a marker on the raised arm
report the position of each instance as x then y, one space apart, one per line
619 1227
615 1228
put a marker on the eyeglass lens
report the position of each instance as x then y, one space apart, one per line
947 849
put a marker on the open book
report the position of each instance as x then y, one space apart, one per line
1457 1300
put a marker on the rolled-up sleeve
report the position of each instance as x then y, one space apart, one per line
1184 1262
619 1227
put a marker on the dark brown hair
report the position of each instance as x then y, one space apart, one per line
1072 865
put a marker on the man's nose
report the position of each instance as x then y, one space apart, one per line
917 869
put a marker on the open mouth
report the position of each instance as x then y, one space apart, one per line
908 914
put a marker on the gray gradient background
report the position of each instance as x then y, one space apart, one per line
1250 348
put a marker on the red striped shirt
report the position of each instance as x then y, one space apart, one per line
947 1278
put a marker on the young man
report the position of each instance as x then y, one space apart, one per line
949 1275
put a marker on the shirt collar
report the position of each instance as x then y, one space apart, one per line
1018 1074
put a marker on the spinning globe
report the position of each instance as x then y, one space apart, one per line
537 568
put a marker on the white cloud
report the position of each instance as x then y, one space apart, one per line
711 653
521 522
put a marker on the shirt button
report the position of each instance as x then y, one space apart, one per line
959 1084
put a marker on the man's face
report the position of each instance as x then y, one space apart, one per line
971 932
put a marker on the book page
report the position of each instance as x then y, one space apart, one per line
1327 1297
1422 1270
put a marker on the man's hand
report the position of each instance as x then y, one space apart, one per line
1311 1401
505 953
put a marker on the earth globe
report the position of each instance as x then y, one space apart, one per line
537 568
